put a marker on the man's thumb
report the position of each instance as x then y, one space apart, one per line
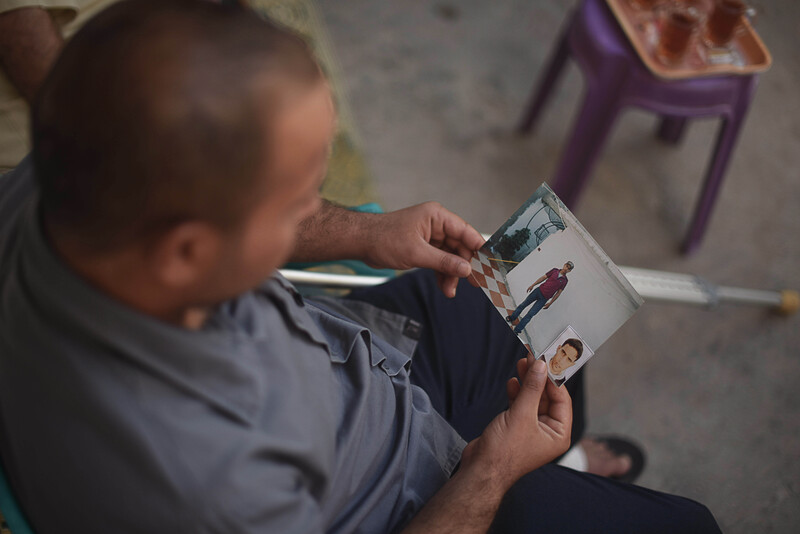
533 385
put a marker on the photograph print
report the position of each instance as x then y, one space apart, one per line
543 273
566 355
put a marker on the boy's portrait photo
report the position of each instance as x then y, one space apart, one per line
566 355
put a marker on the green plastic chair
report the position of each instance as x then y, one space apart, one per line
11 512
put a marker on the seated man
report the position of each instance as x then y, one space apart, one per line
158 375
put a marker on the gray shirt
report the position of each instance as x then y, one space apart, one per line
280 415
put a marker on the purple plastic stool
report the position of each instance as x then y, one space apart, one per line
615 78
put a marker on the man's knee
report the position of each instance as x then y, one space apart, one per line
556 499
696 518
661 513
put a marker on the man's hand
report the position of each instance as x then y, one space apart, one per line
532 432
530 289
426 235
29 44
554 299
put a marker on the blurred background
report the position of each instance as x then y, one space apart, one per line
434 90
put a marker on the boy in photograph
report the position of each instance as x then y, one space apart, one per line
553 283
157 374
567 354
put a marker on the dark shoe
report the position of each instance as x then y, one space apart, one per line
624 447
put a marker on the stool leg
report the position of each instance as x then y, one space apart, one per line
671 128
586 141
545 86
726 140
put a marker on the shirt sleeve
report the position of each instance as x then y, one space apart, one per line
551 271
16 187
267 496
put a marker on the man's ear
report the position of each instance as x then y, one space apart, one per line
184 256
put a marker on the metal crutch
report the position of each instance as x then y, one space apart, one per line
657 286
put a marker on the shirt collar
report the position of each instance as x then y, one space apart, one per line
206 363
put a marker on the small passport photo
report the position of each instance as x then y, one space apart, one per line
566 355
546 275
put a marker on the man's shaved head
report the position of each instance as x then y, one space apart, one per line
157 112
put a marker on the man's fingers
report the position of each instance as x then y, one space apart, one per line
446 244
533 384
522 366
448 285
472 281
458 247
512 388
456 228
444 262
560 405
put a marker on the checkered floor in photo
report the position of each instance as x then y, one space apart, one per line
492 281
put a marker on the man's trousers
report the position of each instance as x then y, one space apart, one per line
465 356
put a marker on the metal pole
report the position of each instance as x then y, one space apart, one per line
310 278
692 289
653 285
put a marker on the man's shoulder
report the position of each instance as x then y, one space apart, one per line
16 186
16 190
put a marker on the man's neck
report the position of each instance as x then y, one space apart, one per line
195 318
121 277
